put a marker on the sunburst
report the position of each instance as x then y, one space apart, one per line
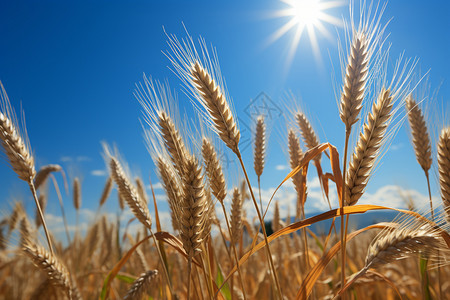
305 16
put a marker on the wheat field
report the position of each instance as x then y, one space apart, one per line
214 250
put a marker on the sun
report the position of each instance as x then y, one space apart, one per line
304 11
305 16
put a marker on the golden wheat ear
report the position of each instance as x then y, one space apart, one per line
236 217
214 170
295 154
15 145
106 191
411 236
171 184
355 80
367 148
260 146
444 168
215 103
419 132
140 286
53 268
127 191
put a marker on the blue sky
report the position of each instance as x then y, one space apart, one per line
72 66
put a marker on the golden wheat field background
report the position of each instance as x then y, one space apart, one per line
215 224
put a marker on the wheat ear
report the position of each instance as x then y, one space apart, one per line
173 142
355 80
140 187
106 190
141 285
193 213
193 209
309 136
260 146
419 132
215 103
444 168
26 231
77 193
367 148
171 185
276 221
295 154
128 193
15 216
17 149
43 173
409 238
214 170
236 217
55 271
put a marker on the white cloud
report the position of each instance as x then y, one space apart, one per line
65 158
396 147
99 173
80 158
281 167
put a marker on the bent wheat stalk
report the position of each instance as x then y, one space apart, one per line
219 112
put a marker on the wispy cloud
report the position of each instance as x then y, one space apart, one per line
281 167
99 173
396 147
80 158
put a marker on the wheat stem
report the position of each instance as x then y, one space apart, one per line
41 215
233 246
343 201
261 221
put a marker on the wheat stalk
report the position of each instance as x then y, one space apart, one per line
17 149
214 170
367 148
43 203
215 103
128 193
444 168
193 213
141 285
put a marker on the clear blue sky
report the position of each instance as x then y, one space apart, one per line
72 65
